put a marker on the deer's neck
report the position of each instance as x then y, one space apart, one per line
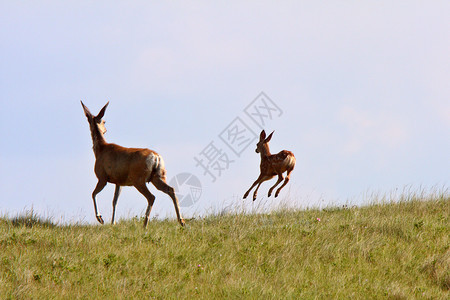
265 152
98 140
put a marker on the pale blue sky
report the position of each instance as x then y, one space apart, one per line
363 86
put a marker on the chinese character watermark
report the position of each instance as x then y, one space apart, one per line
215 159
262 109
237 136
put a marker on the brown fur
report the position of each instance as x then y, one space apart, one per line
272 165
126 167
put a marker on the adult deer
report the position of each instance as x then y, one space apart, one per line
272 165
126 167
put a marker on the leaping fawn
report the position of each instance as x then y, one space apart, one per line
272 165
126 167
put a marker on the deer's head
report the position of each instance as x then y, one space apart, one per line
96 121
263 143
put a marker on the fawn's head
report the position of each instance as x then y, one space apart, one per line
263 143
96 120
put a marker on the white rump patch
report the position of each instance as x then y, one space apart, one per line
155 164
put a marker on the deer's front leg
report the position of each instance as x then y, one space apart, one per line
247 192
255 194
253 185
100 185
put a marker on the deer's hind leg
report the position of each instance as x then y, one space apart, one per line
116 197
161 185
142 188
286 180
280 179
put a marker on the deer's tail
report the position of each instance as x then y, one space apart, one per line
156 164
290 161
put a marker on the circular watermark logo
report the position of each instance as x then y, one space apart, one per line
187 188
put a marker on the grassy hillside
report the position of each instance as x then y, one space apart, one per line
398 251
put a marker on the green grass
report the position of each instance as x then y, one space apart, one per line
391 250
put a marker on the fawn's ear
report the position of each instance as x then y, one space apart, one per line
102 112
269 137
86 110
262 136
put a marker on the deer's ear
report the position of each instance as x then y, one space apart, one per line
269 137
262 136
86 110
102 112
